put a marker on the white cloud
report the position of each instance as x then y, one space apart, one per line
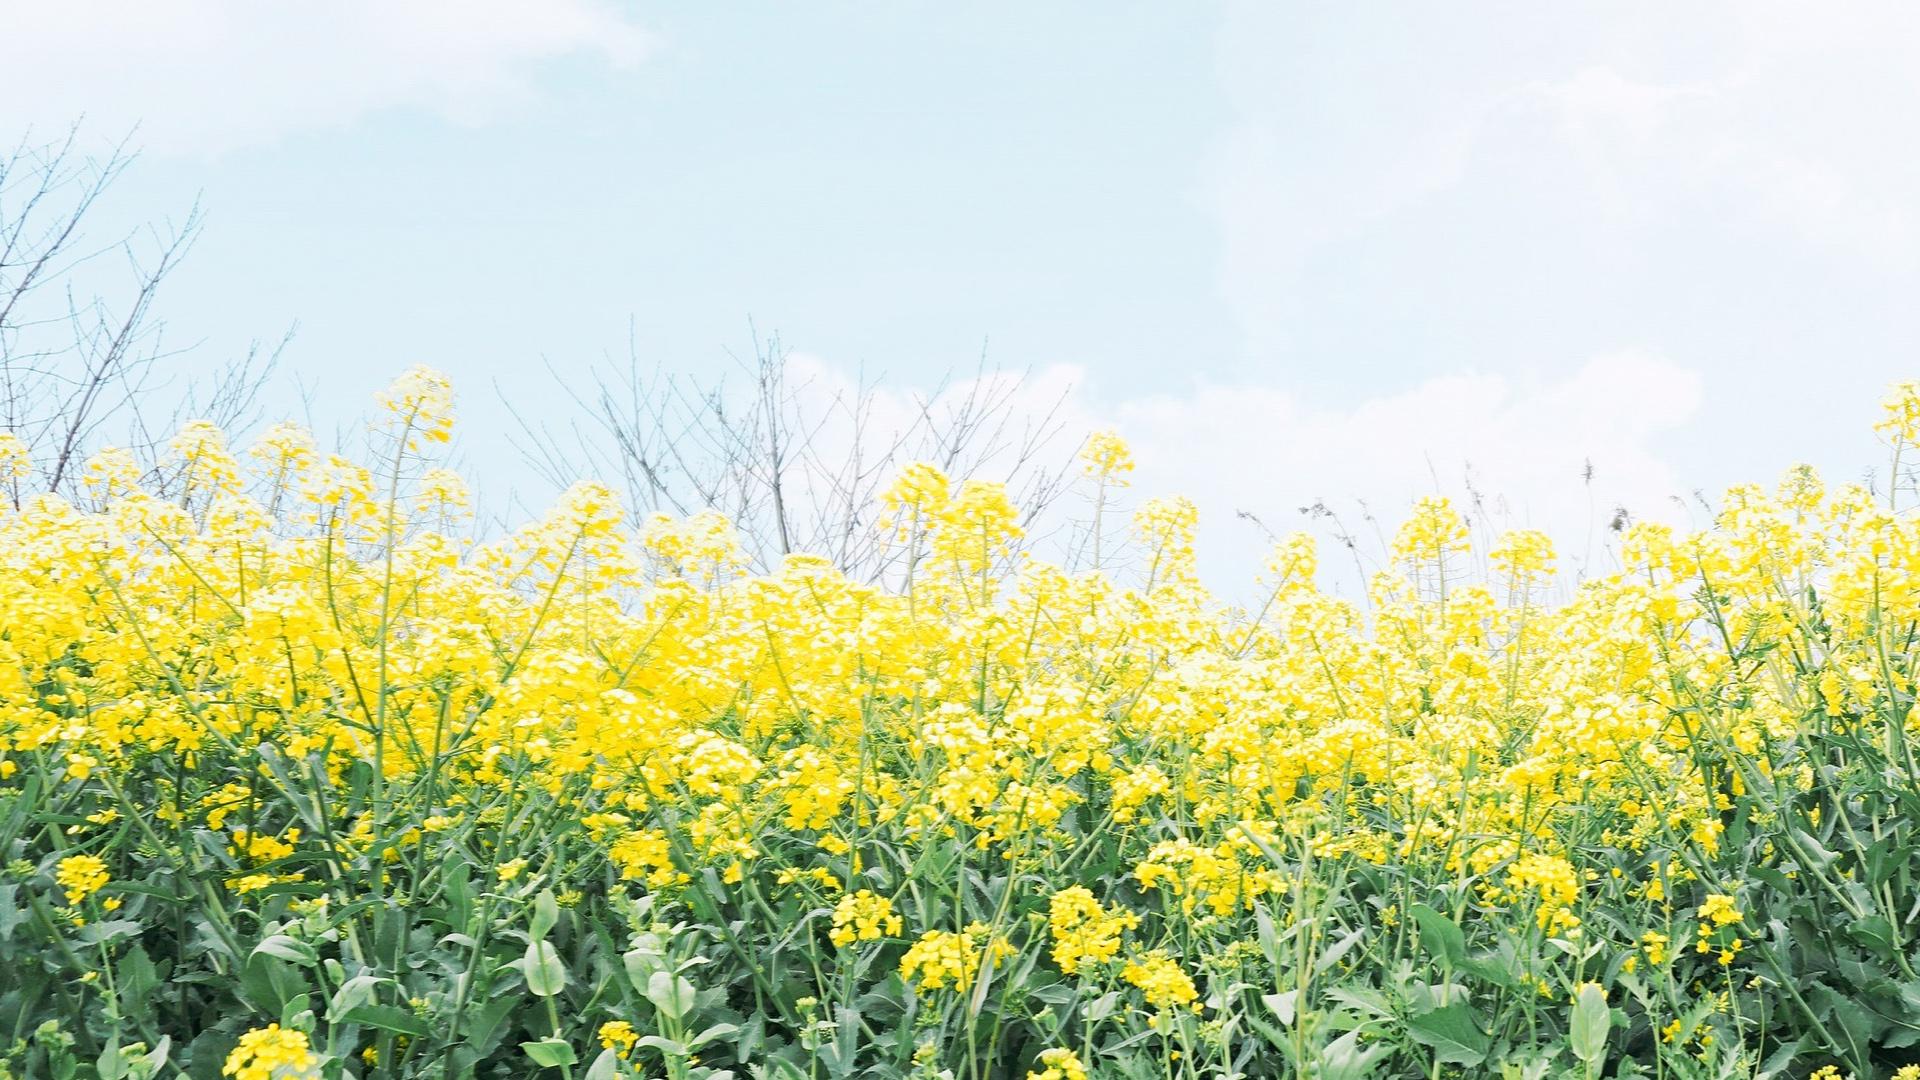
206 75
1523 447
1261 449
1728 140
1606 138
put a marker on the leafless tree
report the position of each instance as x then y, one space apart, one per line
82 350
798 467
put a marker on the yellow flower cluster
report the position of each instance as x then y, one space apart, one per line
280 619
618 1036
863 916
16 462
1107 457
1059 1064
1083 931
1160 980
81 876
272 1053
1550 880
942 957
1718 916
1720 910
1225 876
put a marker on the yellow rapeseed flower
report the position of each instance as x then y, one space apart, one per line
81 876
863 916
272 1053
1160 980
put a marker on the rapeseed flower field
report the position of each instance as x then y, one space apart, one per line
296 781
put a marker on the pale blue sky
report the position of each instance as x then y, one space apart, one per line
1290 250
892 186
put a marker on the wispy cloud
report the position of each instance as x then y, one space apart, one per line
1525 448
1612 138
208 75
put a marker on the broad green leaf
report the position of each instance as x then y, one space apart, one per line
1265 933
671 994
645 958
388 1018
546 975
549 1053
355 992
136 978
1874 931
1440 935
157 1057
100 933
292 950
721 1031
487 1026
546 912
113 1062
1592 1019
604 1067
12 911
1344 1059
1452 1034
1339 949
1534 1068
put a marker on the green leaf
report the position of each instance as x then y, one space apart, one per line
140 888
671 994
292 950
1364 1000
1055 994
1533 1068
604 1067
1339 949
12 911
100 933
645 958
1264 931
1343 1058
549 1053
297 1012
1492 968
355 992
387 1018
268 984
666 1046
1874 931
113 1063
1440 935
1592 1019
721 1031
546 975
459 878
546 912
487 1026
157 1056
136 978
1451 1033
1820 855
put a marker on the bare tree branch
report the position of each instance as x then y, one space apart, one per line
797 466
81 348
